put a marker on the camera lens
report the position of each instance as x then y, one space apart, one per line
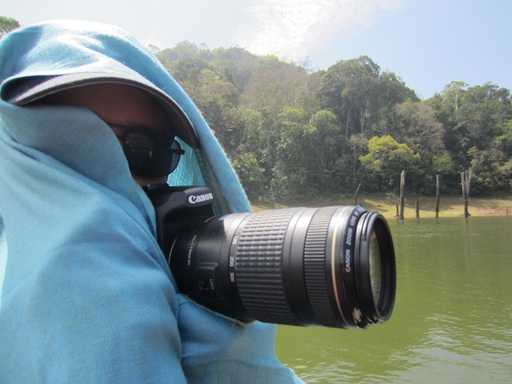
330 266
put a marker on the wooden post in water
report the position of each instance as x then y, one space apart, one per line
357 193
466 182
438 195
417 208
402 187
463 184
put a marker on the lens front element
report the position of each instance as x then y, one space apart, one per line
375 267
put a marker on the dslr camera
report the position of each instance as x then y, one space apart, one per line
329 266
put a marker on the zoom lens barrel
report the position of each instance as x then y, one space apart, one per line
330 266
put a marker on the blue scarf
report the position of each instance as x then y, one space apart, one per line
85 292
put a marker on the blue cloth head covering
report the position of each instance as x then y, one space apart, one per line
85 292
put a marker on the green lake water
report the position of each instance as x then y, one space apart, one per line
452 321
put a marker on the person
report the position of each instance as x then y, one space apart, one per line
87 117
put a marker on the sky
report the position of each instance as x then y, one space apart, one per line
427 43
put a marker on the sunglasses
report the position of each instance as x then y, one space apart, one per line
150 154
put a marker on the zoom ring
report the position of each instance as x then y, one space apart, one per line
316 267
258 266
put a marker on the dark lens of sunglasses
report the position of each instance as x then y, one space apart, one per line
176 154
151 155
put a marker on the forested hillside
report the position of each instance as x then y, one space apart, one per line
294 132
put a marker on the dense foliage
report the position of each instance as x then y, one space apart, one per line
7 24
293 133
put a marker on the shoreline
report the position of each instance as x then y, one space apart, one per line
449 206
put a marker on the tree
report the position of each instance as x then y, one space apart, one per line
250 173
325 134
7 24
453 93
361 96
475 121
245 142
358 145
417 126
237 64
350 90
299 168
385 160
392 91
215 97
185 62
276 86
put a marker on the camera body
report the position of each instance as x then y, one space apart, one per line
182 214
177 208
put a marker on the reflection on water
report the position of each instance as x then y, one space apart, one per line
452 318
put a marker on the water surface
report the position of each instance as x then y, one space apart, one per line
452 321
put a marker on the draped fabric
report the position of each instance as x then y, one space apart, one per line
85 292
